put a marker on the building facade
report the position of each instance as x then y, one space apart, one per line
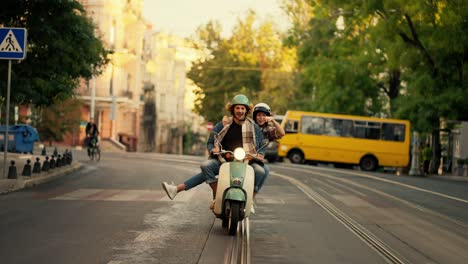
168 94
113 99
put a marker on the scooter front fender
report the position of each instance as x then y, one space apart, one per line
238 170
235 194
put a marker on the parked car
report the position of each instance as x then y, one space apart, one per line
271 151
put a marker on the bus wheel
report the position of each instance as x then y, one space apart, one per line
368 163
296 157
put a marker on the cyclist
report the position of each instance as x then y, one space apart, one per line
92 133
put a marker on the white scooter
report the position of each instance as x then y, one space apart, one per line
234 193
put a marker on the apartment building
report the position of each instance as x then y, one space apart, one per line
168 94
114 97
142 99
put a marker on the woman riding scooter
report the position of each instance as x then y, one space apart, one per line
271 130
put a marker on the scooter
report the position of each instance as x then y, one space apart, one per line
234 193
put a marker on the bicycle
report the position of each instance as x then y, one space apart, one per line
94 152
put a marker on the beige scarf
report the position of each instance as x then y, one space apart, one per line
248 135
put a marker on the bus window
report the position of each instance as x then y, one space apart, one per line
399 133
291 126
393 132
338 127
368 130
373 130
330 127
312 125
359 129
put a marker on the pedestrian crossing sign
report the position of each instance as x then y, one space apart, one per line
13 43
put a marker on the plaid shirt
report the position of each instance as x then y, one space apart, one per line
251 136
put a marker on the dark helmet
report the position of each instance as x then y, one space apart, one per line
261 107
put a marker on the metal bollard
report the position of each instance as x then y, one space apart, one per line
37 166
52 163
55 152
67 157
70 157
44 152
46 164
12 171
27 168
58 162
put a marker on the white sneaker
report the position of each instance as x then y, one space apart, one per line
171 190
252 209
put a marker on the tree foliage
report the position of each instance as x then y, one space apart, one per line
62 47
57 119
392 58
251 61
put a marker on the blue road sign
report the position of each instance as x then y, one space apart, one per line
13 43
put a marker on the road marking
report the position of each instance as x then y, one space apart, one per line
410 204
123 195
360 231
384 180
77 194
144 236
112 195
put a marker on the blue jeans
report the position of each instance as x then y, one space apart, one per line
263 179
210 168
194 181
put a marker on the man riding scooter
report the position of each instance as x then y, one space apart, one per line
240 131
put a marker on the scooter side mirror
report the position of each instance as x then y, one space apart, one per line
215 136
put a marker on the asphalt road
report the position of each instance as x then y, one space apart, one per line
115 212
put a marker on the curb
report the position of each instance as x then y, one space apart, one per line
29 182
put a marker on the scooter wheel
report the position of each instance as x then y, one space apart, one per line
225 222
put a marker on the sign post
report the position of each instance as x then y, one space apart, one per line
12 47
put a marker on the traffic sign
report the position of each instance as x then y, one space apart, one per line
13 43
209 126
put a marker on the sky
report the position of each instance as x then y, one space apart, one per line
182 17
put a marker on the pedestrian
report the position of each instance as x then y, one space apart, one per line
427 156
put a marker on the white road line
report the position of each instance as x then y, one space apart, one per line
410 204
144 236
387 181
77 195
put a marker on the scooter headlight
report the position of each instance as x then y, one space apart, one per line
239 153
237 182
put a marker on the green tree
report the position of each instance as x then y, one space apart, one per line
62 48
335 75
413 53
54 121
252 61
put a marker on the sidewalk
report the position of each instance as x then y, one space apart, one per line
9 185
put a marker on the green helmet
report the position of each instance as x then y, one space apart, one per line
240 99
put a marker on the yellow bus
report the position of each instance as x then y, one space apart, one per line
345 140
